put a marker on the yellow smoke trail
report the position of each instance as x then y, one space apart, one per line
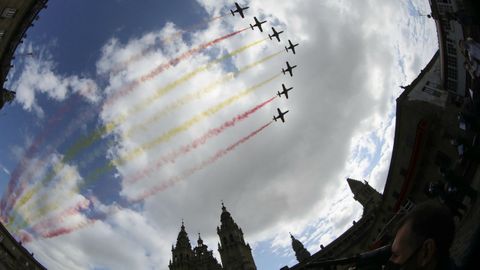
40 213
109 127
193 96
31 214
143 126
166 89
175 131
97 134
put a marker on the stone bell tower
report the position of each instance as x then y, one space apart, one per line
235 253
365 194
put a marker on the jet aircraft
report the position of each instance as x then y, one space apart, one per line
257 24
288 69
239 10
280 115
275 34
291 47
284 92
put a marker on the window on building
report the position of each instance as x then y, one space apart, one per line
8 13
452 86
2 33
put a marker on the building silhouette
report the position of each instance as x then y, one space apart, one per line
234 252
301 252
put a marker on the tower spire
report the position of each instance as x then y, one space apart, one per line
300 251
235 253
182 252
364 194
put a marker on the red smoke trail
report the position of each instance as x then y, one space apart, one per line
66 230
154 190
139 56
80 225
185 55
173 180
6 206
172 156
159 69
52 221
32 149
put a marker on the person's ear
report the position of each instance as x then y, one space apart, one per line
427 252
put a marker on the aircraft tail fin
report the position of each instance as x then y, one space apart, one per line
233 13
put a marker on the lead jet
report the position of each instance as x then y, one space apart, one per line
284 92
275 34
239 10
280 115
291 47
289 69
257 24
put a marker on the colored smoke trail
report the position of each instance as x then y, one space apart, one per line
182 101
98 133
134 58
171 86
176 130
170 182
80 225
109 126
193 96
172 156
27 216
219 154
159 93
53 221
32 149
67 230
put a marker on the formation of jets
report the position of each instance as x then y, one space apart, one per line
291 47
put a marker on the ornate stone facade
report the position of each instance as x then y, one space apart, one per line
234 252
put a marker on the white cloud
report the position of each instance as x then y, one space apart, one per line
39 75
291 178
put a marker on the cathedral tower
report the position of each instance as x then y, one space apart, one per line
364 194
235 254
300 251
182 254
204 259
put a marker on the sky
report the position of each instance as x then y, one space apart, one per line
130 118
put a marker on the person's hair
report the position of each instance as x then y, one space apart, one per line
432 220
